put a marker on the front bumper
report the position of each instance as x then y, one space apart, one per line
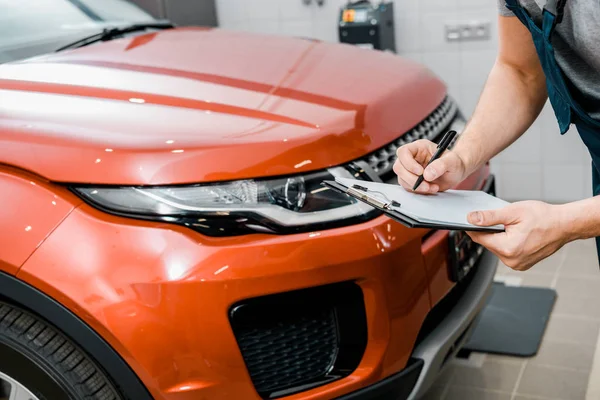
397 387
160 295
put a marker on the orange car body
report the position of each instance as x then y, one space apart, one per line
204 105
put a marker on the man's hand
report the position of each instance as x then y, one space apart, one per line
442 174
533 231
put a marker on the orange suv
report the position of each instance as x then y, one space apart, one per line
164 233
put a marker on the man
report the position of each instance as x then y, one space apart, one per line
548 50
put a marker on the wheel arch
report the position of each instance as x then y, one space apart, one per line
116 368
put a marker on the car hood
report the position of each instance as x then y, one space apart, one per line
198 105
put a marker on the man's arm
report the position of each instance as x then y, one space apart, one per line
514 95
581 219
512 98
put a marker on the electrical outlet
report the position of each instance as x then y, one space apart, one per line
472 30
452 32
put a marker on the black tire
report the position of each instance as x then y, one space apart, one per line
46 362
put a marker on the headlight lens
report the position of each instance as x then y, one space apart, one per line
280 205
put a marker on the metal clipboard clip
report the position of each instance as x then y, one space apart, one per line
356 190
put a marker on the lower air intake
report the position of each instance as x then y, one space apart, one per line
298 340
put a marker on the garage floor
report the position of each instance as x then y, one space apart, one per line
561 369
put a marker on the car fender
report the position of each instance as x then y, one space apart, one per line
31 210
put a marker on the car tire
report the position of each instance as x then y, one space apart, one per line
38 357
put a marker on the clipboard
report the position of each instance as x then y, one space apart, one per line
391 209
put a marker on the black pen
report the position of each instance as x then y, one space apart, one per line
442 146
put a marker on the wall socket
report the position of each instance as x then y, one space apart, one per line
472 30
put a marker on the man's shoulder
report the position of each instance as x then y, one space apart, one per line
534 7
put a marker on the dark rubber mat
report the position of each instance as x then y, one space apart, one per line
513 321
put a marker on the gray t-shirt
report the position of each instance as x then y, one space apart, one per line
576 43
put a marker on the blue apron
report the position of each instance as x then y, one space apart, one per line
565 107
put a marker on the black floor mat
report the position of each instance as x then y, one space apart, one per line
513 321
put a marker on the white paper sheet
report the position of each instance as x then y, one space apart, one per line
447 208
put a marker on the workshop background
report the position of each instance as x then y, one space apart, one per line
527 170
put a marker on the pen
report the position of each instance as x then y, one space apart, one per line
442 146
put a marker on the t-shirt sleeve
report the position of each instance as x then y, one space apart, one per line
504 11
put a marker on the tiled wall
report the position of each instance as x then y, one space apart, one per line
555 169
182 12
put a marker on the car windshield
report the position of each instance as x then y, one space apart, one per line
33 27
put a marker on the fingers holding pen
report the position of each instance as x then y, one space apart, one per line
409 166
408 179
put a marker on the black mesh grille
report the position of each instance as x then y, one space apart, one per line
302 339
290 352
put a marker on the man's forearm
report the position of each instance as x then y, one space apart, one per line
511 100
580 219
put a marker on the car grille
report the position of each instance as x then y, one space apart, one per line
295 341
290 352
382 160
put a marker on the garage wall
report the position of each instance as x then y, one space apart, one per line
182 12
555 169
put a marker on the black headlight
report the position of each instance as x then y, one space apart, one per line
279 205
